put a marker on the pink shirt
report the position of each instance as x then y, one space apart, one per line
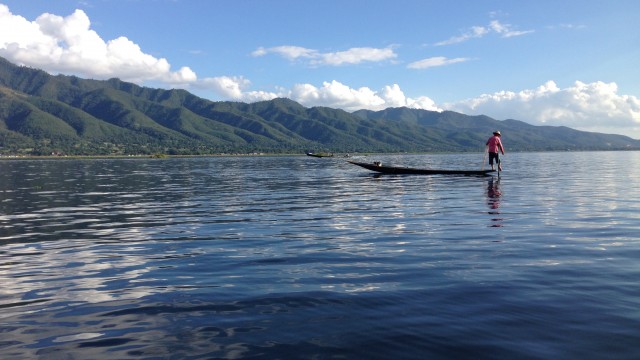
495 144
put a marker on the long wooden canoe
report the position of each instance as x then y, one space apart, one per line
320 155
406 170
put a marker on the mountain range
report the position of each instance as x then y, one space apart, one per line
41 114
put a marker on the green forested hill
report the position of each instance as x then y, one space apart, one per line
41 114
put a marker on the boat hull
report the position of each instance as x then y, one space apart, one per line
319 155
405 170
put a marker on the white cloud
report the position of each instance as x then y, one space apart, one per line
394 97
473 32
337 95
504 30
424 103
350 56
434 62
595 106
287 51
68 45
235 88
356 56
331 94
229 87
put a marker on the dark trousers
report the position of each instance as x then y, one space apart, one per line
494 155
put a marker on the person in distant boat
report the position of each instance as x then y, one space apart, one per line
494 145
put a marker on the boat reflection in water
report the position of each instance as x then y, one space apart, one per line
493 200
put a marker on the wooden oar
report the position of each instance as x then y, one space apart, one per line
484 156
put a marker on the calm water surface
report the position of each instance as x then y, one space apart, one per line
306 258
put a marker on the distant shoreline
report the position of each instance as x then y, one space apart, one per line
339 156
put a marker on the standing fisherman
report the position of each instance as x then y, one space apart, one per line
494 145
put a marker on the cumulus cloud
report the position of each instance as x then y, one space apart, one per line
593 106
494 27
230 87
235 88
338 95
68 45
314 57
331 94
434 62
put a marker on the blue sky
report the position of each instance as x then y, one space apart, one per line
570 62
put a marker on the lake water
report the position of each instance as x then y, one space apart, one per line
306 258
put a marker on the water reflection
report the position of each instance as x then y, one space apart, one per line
493 200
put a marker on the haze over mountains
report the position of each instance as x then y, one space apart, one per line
42 114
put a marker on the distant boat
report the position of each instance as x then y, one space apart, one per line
378 167
319 154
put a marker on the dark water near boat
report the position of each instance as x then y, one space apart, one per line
299 257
